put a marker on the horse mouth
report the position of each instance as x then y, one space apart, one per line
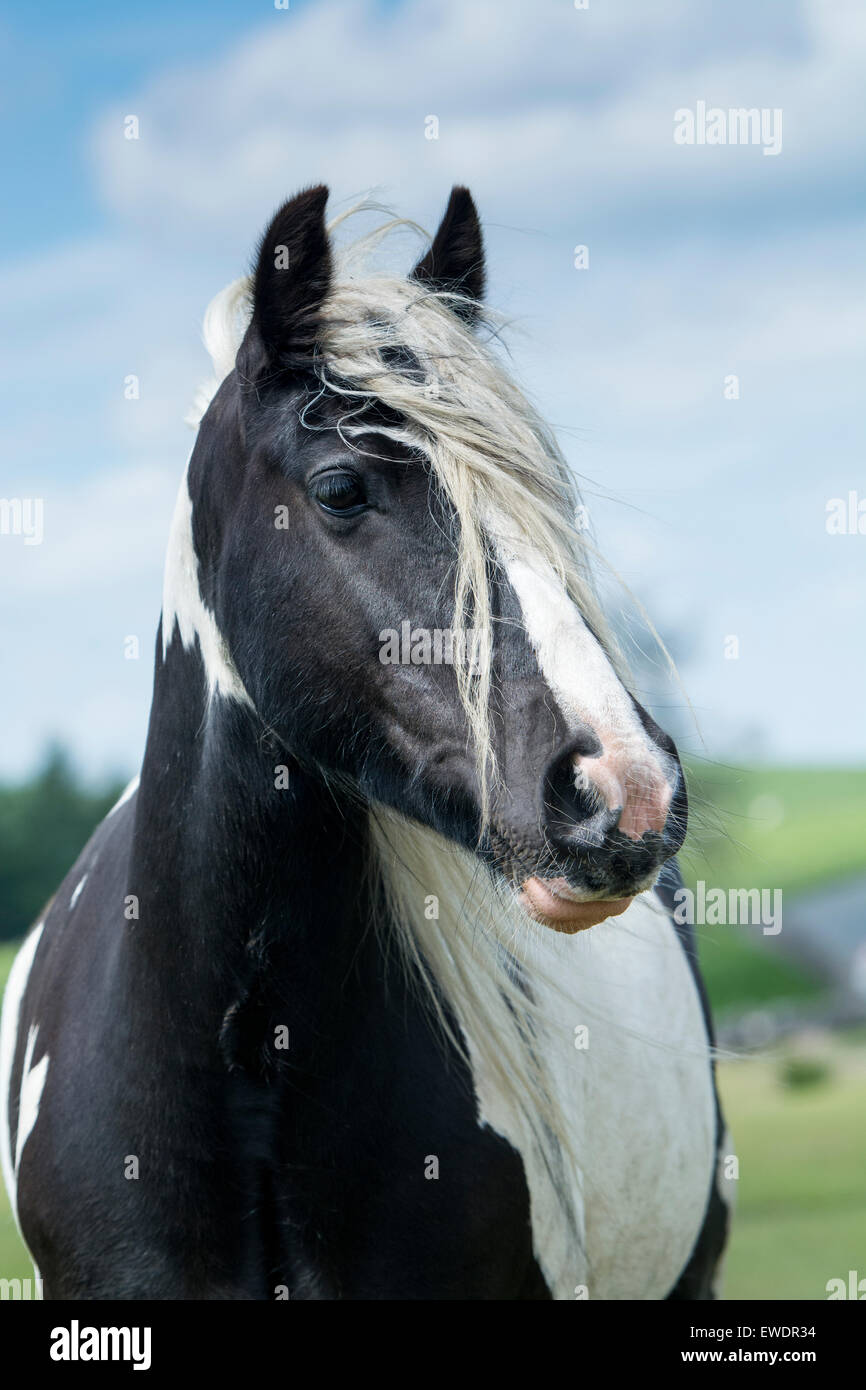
553 903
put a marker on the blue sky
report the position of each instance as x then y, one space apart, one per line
704 261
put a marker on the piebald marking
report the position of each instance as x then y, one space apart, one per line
31 1090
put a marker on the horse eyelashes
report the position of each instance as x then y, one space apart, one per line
340 491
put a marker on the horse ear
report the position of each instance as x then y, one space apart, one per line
455 261
291 279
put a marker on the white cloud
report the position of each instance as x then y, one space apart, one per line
67 606
704 261
539 107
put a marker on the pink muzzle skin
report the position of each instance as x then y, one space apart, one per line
553 903
640 793
638 790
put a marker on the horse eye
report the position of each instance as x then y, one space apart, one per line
342 494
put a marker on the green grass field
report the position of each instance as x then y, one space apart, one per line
784 828
801 1216
801 1205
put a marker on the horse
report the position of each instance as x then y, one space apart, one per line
369 986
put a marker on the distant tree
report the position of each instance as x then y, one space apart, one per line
44 825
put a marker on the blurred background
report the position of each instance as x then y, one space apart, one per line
689 316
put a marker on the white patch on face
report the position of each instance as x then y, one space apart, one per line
572 660
182 604
125 795
16 987
632 772
77 892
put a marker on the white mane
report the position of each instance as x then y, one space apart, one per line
490 451
499 986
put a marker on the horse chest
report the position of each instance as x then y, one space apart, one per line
386 1185
626 1062
415 1189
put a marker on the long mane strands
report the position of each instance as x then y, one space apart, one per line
387 338
495 459
493 981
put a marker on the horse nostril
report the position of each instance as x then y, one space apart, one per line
570 798
605 799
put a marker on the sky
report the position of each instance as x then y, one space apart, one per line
702 358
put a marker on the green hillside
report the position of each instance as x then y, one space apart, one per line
786 828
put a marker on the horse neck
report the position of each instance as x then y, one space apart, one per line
243 887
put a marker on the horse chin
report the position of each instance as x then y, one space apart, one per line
553 903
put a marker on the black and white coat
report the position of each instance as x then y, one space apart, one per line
295 1023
